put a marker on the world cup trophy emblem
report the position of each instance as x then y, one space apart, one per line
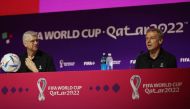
135 79
41 88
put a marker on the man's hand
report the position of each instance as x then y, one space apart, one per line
31 65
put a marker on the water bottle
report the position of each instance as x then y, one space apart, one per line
109 62
103 62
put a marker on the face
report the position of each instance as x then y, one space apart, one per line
153 42
31 43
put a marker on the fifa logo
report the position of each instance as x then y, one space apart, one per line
61 63
135 87
41 84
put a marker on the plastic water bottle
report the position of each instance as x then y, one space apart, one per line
103 62
109 62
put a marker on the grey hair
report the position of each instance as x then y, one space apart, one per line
160 33
27 33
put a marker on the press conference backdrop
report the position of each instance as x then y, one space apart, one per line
77 39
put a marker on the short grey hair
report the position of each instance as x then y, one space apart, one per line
25 35
160 33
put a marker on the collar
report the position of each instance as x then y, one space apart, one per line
160 54
37 55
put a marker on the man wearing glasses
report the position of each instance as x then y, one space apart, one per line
34 60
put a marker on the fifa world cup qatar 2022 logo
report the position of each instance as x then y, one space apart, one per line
41 84
135 79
